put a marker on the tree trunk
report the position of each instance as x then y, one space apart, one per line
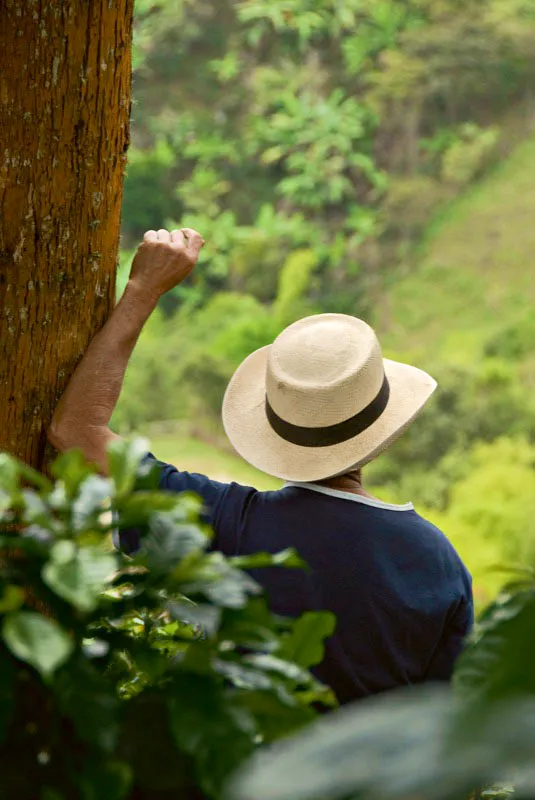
65 74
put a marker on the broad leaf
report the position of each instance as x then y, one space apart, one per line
278 666
407 744
139 507
37 640
205 616
286 558
218 581
72 468
498 662
274 715
94 492
124 460
305 644
243 677
384 743
81 578
168 543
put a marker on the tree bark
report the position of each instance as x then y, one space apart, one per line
65 75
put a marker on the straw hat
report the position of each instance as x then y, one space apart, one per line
320 400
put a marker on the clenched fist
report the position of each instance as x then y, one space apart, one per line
164 259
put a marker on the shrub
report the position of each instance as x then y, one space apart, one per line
148 676
430 742
469 155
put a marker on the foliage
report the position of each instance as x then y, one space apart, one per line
432 743
135 676
304 110
312 143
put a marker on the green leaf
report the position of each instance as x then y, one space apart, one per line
9 474
7 694
278 666
169 542
340 755
90 502
124 460
498 662
275 716
139 507
206 616
305 644
406 744
286 558
230 588
72 468
80 576
37 640
35 509
241 676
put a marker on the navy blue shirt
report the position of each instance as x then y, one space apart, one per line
401 594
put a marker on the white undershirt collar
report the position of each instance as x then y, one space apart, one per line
356 498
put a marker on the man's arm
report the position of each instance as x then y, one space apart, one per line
83 414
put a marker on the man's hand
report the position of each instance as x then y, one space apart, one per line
164 260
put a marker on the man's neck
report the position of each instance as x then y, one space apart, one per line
351 482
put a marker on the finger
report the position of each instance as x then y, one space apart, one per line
150 236
177 237
164 235
194 240
190 233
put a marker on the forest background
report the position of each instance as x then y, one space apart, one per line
370 157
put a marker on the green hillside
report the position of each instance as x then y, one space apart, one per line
371 157
476 277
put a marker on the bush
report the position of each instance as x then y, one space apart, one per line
469 155
472 406
514 341
434 743
496 500
148 676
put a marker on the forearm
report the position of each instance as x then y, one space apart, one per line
88 403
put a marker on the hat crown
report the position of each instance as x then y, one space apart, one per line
323 370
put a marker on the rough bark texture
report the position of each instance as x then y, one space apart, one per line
65 73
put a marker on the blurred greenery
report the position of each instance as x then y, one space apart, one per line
371 157
475 740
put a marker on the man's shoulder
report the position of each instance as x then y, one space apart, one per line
437 540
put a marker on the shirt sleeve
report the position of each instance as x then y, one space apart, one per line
452 644
213 494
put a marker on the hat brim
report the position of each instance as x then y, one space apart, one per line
247 427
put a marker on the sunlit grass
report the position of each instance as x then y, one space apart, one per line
476 273
191 455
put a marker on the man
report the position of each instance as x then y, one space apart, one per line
312 409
